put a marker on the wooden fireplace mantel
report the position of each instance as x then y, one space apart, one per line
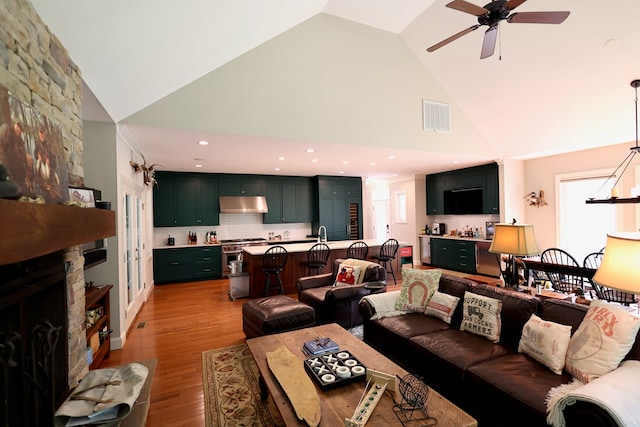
29 230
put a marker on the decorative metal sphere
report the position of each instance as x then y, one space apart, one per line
414 390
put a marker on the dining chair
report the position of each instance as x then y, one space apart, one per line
562 282
358 250
387 254
593 261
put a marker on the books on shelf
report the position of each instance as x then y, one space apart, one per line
320 346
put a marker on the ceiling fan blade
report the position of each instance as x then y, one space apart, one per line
512 4
465 6
538 17
452 38
489 43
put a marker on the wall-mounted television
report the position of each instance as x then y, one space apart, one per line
466 201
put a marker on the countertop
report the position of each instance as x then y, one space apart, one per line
471 239
187 245
303 247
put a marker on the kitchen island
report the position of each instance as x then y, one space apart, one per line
296 263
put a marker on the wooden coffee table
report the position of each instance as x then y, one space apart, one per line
339 403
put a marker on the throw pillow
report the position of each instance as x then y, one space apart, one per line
546 342
602 340
418 287
347 275
442 306
481 316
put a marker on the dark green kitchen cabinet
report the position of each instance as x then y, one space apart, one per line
187 264
491 192
185 199
241 185
454 254
289 200
339 207
435 195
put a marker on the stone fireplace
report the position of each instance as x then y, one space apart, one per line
43 344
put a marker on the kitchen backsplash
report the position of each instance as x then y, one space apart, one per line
232 226
459 222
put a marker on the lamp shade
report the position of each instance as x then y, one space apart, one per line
514 239
620 267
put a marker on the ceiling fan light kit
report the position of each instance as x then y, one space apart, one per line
491 15
615 199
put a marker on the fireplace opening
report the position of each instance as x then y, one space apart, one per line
33 340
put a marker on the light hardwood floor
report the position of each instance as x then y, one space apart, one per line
180 322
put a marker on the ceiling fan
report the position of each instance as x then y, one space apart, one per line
491 15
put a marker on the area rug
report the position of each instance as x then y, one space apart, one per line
231 393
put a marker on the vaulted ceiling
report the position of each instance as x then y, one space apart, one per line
269 79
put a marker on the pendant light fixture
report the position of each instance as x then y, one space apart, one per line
625 163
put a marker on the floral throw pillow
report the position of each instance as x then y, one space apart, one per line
418 287
442 306
481 316
602 340
546 342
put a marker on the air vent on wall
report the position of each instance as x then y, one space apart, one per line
436 117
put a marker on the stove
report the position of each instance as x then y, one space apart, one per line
232 251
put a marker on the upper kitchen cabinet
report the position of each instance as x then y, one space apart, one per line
466 191
185 199
241 185
339 207
289 200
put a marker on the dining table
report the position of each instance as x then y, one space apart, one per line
536 264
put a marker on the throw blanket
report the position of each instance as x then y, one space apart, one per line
384 304
615 392
359 263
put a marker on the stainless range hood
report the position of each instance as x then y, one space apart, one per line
243 204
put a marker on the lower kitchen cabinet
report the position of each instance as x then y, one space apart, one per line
452 254
185 264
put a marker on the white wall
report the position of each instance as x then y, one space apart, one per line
539 174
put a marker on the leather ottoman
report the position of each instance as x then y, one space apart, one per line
274 314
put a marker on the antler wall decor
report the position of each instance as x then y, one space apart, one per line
148 172
536 200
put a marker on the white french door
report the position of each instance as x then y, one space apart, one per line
133 254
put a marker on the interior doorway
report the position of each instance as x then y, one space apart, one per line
381 229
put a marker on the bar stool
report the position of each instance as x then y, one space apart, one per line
358 250
273 262
317 257
387 254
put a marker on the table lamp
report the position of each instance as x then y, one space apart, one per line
514 240
620 267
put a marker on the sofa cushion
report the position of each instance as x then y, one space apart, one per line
605 336
481 316
512 387
418 287
442 306
442 357
546 342
517 308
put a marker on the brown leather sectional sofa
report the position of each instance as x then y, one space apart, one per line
493 382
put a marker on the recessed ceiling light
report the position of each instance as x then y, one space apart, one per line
344 162
612 43
314 160
341 172
372 164
280 158
391 157
203 142
197 159
455 162
310 150
198 166
276 169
